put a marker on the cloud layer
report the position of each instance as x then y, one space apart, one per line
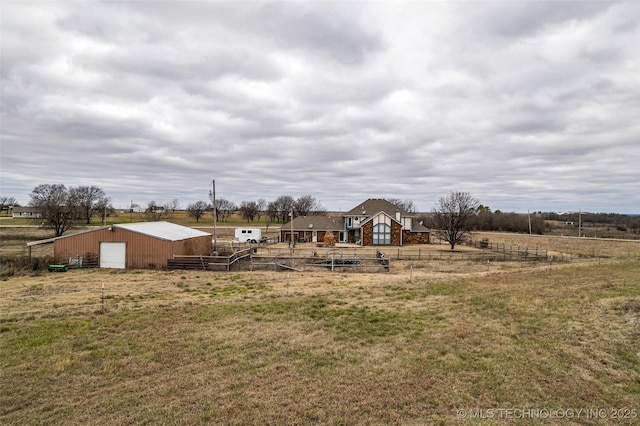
526 105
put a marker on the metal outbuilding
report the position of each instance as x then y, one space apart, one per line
144 245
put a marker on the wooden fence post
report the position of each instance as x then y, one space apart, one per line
103 304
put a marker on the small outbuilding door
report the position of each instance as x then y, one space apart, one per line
112 255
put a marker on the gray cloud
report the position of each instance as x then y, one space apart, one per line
527 105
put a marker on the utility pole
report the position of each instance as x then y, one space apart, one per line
580 223
529 214
215 217
292 242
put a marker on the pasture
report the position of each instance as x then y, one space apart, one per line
427 343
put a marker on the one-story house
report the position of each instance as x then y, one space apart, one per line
26 213
144 245
311 228
371 223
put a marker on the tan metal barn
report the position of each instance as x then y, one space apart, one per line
144 245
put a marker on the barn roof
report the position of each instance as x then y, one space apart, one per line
163 230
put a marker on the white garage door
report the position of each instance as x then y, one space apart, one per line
112 255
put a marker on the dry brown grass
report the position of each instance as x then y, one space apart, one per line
567 247
13 241
320 347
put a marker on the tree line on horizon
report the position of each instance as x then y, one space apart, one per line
278 210
453 215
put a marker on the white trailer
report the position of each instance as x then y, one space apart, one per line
248 235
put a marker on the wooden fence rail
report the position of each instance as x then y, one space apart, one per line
208 262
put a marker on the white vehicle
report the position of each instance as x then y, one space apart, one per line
248 235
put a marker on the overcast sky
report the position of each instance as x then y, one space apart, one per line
525 105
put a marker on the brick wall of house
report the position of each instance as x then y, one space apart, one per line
396 234
367 234
415 238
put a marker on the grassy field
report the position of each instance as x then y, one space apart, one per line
325 348
567 247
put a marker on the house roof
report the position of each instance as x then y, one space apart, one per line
373 206
18 209
319 223
416 226
163 230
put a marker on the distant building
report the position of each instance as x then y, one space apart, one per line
26 212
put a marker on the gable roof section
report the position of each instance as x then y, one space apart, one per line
416 226
318 223
373 206
163 230
52 240
370 218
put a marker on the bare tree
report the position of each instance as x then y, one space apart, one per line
55 205
103 207
262 205
283 205
224 209
89 199
405 205
197 210
307 204
249 210
453 216
7 202
272 211
174 205
155 211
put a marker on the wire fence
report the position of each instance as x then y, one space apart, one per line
510 251
332 263
493 252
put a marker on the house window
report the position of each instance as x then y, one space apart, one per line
381 234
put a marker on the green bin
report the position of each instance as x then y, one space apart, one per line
57 268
